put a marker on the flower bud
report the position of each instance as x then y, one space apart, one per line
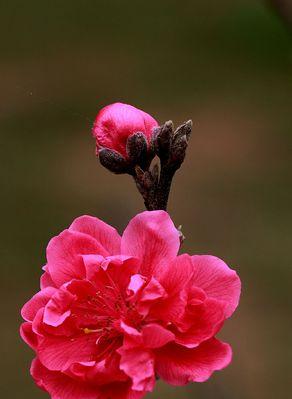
179 143
116 123
113 161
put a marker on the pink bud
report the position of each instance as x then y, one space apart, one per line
116 122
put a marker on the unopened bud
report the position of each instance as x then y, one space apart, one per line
137 149
115 123
163 139
180 143
113 161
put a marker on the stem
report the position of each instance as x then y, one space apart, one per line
155 194
163 189
170 147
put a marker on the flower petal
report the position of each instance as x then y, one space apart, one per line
116 122
155 336
177 274
204 322
108 237
58 353
152 238
115 271
99 373
136 283
138 364
120 390
46 280
63 255
178 365
28 335
58 308
39 300
59 385
67 329
217 280
119 269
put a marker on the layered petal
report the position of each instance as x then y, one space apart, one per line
39 300
113 313
174 278
152 238
217 280
61 386
28 335
107 237
46 279
178 365
138 364
203 323
155 336
58 308
99 373
177 274
66 329
63 255
120 390
58 353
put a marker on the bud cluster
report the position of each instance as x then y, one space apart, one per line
130 141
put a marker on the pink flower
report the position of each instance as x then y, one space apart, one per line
115 312
115 123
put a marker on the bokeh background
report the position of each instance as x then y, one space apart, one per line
228 66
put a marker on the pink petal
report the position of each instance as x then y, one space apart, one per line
152 238
204 322
155 336
119 269
136 283
59 385
39 300
114 271
148 296
40 328
138 364
46 280
107 237
177 274
99 373
169 309
28 335
131 331
152 291
57 310
120 390
178 365
58 353
116 122
63 255
92 264
217 280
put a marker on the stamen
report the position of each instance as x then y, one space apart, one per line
89 330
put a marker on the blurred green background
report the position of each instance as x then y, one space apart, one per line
228 66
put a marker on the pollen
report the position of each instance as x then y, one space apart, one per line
88 330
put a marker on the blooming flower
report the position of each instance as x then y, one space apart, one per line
114 313
115 123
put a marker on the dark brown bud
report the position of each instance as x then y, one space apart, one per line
178 151
137 149
184 129
180 143
113 161
163 140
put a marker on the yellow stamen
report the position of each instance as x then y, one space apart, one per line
87 330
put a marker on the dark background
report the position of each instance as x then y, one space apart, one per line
225 64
